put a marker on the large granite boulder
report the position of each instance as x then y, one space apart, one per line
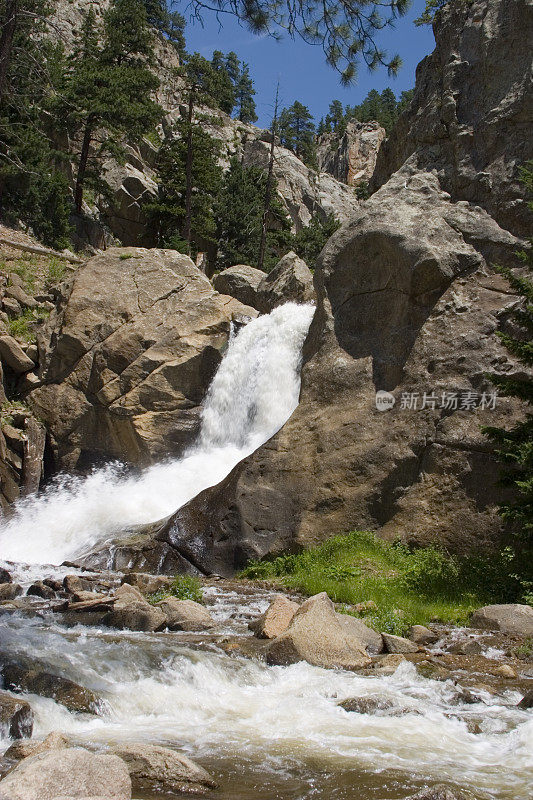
160 769
240 282
512 618
315 635
470 118
290 280
67 772
129 355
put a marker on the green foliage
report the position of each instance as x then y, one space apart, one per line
408 586
169 23
345 30
308 242
362 192
514 446
239 213
56 272
23 326
379 107
168 211
296 130
183 587
434 6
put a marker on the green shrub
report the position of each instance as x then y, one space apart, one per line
183 587
429 571
56 272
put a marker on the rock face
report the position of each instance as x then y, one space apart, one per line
159 769
16 717
470 118
290 280
352 158
130 355
406 303
315 635
507 618
67 772
240 282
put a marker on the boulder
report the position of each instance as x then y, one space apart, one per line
185 615
127 359
132 612
161 769
276 618
5 576
21 296
397 644
8 591
366 705
24 748
527 700
62 690
368 639
507 618
240 282
387 665
147 584
16 717
290 280
67 772
315 635
419 634
40 589
14 356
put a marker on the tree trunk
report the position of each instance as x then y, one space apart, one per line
9 25
188 175
268 190
82 167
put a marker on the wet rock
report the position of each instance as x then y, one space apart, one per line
368 638
465 696
397 644
366 705
24 748
40 589
505 671
185 615
16 717
154 768
8 591
240 282
438 792
67 772
527 700
291 279
422 635
146 583
387 665
132 612
14 356
315 635
5 576
507 618
62 690
466 648
432 671
276 618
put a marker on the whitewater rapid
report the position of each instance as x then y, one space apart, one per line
253 393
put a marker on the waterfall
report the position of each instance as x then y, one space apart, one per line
253 393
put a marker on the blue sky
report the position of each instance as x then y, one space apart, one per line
301 68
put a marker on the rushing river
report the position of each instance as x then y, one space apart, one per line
263 732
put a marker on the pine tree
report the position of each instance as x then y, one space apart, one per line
308 242
515 446
297 132
184 224
239 214
169 23
244 97
108 87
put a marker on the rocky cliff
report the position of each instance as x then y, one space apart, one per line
408 303
351 158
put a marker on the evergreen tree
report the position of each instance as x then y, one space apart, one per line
336 114
169 23
308 242
239 214
209 81
108 86
233 67
297 132
515 446
244 97
169 212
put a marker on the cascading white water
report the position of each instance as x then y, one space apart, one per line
253 393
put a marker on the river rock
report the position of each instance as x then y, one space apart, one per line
397 644
387 665
128 357
438 792
419 634
62 690
8 591
5 576
315 635
240 282
16 717
368 638
40 589
154 768
507 618
24 748
290 280
135 615
366 705
147 584
276 618
527 700
505 671
185 615
67 772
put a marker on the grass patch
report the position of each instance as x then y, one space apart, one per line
408 586
23 326
25 267
183 587
56 272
